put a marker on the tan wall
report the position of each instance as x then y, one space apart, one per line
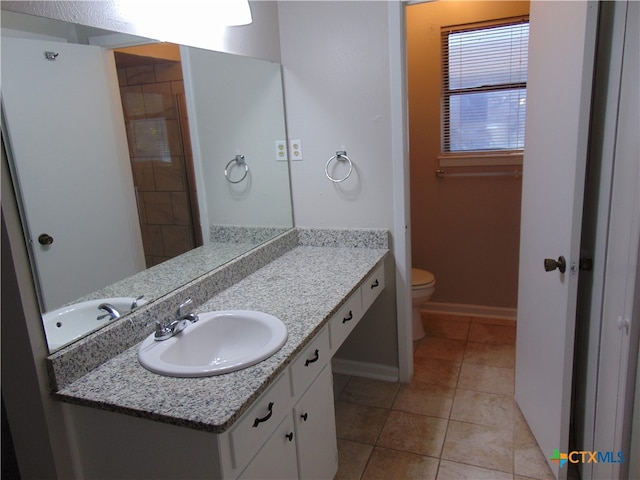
464 230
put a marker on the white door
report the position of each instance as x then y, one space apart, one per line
71 160
561 62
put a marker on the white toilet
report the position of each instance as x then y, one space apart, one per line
423 284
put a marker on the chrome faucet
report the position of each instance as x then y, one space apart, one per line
111 311
167 330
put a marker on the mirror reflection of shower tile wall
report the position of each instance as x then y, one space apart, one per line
152 93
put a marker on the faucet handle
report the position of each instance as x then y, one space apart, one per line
162 331
134 305
188 301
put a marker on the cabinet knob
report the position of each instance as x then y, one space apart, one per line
304 416
289 436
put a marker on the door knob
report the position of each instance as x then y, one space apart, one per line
45 239
550 264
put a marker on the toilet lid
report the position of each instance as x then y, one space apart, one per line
421 277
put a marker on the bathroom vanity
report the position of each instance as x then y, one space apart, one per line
274 419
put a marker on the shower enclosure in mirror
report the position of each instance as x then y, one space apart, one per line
122 159
152 93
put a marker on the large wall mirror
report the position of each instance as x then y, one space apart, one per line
138 165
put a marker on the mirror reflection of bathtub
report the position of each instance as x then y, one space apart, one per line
65 325
164 213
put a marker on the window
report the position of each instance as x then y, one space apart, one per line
484 92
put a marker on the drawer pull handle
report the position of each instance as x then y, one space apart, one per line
315 359
348 317
375 284
304 416
258 421
289 436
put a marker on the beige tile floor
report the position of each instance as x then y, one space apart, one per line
456 420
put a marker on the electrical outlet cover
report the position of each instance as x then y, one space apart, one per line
295 149
281 151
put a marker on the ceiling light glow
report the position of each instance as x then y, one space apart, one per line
184 14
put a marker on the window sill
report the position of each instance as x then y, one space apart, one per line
479 159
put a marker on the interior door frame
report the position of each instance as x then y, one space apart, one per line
594 291
401 231
617 366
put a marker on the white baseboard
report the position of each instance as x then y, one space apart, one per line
364 369
472 310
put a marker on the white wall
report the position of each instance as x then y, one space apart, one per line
335 58
239 111
337 97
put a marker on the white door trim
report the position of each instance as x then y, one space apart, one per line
400 171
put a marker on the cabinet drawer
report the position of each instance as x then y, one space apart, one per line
255 426
372 287
343 322
306 367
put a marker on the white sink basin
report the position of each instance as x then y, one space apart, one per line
220 342
66 324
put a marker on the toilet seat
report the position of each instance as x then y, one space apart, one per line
421 278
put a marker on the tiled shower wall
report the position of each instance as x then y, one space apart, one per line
160 151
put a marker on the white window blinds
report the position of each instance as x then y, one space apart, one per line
484 81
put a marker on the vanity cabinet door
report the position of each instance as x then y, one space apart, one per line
315 422
277 457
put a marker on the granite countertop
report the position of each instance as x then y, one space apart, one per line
304 288
156 281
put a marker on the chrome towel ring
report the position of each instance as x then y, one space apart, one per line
240 161
339 156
